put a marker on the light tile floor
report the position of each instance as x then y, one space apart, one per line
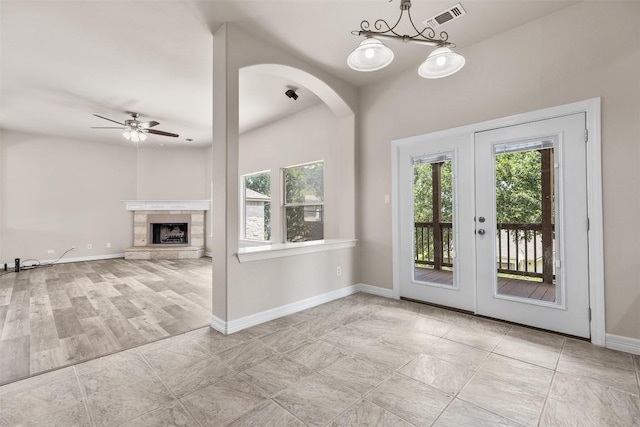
361 360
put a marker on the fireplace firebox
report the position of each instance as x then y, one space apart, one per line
170 233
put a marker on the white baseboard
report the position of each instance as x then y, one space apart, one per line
626 344
218 324
375 290
236 325
76 259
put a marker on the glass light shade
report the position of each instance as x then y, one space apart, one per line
135 136
127 134
370 55
142 136
442 62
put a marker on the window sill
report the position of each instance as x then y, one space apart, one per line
281 250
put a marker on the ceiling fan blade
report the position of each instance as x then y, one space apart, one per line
105 127
159 132
109 119
147 125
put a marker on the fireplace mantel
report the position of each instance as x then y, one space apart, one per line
167 205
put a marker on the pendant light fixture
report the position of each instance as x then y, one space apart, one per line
371 54
442 62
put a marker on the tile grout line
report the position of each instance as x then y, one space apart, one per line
546 398
84 396
553 377
395 372
636 363
168 388
285 409
443 411
476 405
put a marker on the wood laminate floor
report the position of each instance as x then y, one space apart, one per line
68 313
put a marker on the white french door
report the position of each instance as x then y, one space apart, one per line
495 222
438 273
554 258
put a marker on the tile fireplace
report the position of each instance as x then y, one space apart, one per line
167 229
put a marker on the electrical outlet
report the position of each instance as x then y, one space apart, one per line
89 246
339 271
51 251
386 199
108 245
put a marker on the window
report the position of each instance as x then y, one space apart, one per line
257 206
304 202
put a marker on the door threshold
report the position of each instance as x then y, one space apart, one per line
471 313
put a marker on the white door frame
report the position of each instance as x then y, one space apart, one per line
592 108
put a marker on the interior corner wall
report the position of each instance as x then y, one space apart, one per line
555 60
2 202
209 182
283 280
59 193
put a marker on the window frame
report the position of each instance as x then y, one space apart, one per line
286 205
243 206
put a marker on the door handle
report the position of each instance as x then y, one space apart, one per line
481 232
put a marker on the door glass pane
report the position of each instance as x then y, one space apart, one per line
525 216
434 249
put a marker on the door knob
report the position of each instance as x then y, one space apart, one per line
481 232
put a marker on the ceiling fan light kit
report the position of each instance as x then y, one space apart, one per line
135 130
371 54
134 135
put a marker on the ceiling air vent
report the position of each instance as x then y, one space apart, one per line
440 19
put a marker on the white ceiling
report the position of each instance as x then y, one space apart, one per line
62 61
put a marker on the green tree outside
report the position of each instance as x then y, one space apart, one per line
304 185
518 192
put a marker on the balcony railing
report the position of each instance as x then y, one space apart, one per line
524 250
426 252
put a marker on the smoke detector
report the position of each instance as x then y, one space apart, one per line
442 18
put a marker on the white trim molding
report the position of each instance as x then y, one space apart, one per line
626 344
167 205
279 250
231 326
376 290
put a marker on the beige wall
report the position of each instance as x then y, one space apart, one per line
57 193
172 174
566 57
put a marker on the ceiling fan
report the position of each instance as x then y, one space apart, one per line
134 129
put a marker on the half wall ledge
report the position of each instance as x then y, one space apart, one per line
280 250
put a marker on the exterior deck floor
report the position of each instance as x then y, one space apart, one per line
506 286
